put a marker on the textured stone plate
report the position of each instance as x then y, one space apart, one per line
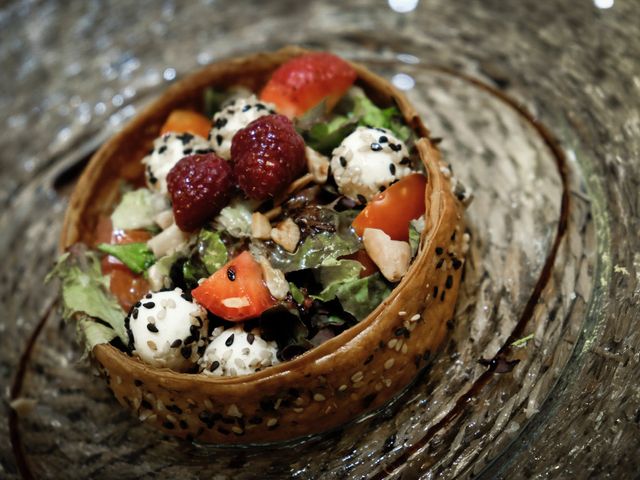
493 82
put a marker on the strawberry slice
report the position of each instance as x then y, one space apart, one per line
236 291
301 83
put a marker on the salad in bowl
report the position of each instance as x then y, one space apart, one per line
269 250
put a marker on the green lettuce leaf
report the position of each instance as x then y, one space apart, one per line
137 256
297 295
332 271
369 114
212 250
414 239
325 136
235 218
358 296
137 209
86 297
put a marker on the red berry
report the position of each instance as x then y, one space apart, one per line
303 82
268 154
200 186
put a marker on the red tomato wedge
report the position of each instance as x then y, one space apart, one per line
361 256
392 210
236 291
303 82
181 121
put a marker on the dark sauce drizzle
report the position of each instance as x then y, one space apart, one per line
543 279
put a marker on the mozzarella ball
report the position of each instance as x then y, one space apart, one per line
368 161
234 352
167 330
235 116
168 150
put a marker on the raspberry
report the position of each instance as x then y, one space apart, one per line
268 154
200 186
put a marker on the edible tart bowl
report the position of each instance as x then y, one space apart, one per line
355 372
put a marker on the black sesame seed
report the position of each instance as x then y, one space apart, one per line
134 314
138 304
214 366
435 292
343 162
450 324
426 355
246 108
405 161
221 122
174 409
368 360
185 138
219 139
148 295
453 236
440 263
189 340
187 151
383 139
231 273
392 168
137 383
152 328
250 338
376 147
361 199
439 251
149 305
223 431
162 149
449 282
184 425
230 340
185 352
401 331
168 425
176 343
260 106
396 147
201 151
456 264
442 295
146 405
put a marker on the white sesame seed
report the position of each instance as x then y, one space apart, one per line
171 303
389 363
399 345
245 351
358 384
164 302
298 410
151 344
387 382
234 411
299 401
118 379
342 388
240 363
207 403
392 342
405 349
159 405
237 430
356 377
151 319
378 387
172 418
151 418
415 318
272 422
276 405
318 397
402 313
162 314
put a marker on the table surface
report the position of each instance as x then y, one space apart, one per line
538 104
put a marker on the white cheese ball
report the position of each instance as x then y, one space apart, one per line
234 352
168 150
368 161
166 330
233 117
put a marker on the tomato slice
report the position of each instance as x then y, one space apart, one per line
361 256
181 121
236 291
125 285
392 210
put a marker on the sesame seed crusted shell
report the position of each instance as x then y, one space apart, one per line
327 386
